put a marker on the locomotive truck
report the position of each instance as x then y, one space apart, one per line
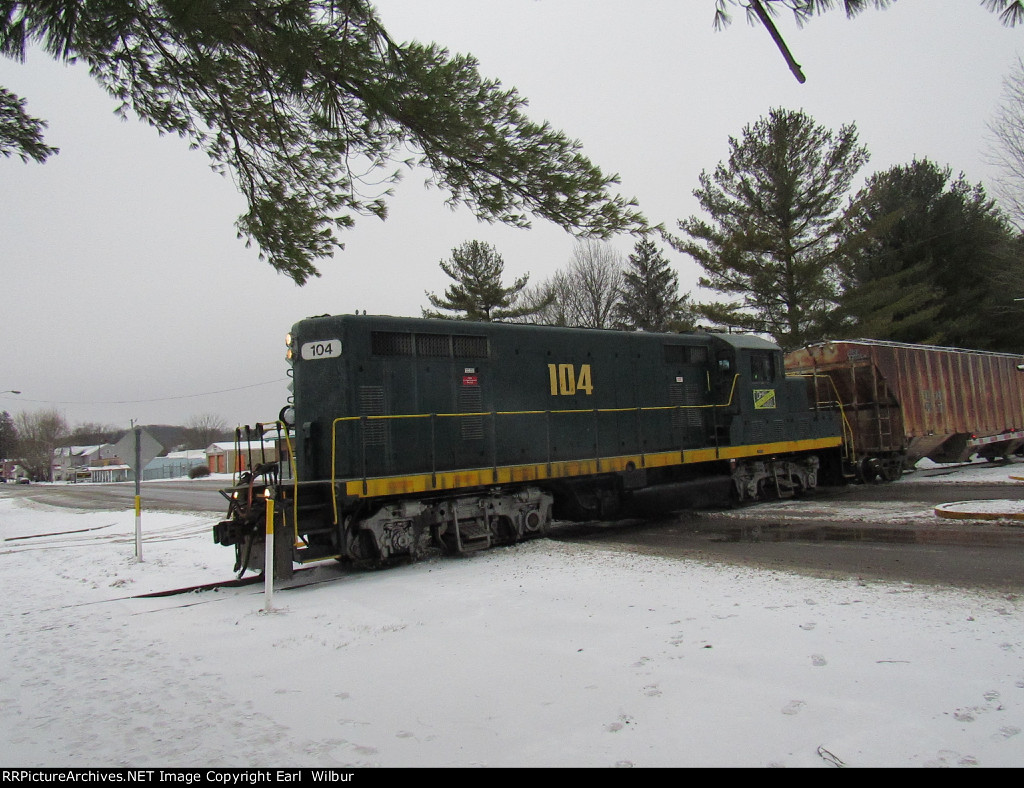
405 436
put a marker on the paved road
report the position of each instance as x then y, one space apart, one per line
185 495
886 532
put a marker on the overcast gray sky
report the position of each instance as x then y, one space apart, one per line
126 294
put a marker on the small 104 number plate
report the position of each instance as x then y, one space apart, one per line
324 348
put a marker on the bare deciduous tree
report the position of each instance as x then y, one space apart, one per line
204 429
90 432
544 303
595 276
1006 149
584 294
39 434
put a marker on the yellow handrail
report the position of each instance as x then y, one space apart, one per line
295 476
334 424
838 404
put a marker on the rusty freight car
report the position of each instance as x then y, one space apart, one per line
905 402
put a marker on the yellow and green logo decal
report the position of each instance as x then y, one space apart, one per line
764 399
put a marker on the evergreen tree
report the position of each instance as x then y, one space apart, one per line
775 226
478 292
649 298
313 109
8 436
934 262
1011 13
20 133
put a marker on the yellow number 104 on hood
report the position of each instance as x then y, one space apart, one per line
565 382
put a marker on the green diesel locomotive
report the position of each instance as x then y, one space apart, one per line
409 435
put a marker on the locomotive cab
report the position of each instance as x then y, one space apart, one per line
753 389
769 415
745 381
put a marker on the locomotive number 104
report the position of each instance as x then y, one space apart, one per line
565 381
327 348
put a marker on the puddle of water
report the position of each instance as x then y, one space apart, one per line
784 532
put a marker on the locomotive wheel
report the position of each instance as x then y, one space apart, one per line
875 469
892 470
869 469
360 546
504 530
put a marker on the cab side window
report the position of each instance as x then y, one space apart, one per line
762 366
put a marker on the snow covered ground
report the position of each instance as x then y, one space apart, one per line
545 654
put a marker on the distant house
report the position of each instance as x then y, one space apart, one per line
10 470
174 464
111 473
108 462
149 447
70 462
229 457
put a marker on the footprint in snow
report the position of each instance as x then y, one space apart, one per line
622 722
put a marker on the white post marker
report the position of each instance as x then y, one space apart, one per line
138 527
138 493
268 563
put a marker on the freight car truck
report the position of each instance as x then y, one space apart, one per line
906 402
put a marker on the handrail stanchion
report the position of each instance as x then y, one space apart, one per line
547 438
433 450
268 563
494 446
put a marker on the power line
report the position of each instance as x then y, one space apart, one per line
141 401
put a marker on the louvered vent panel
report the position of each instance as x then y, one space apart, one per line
371 403
470 400
391 343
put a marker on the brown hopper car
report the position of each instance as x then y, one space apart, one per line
905 402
